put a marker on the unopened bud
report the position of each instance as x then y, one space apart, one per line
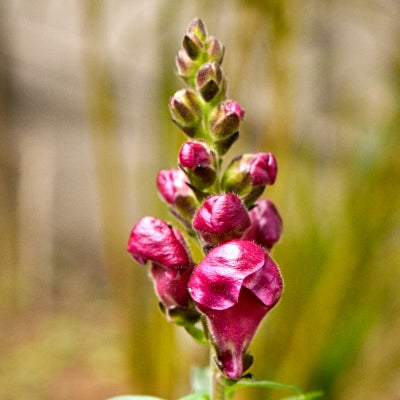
193 45
185 66
248 174
215 50
194 153
223 145
185 111
209 80
225 119
198 29
198 160
221 218
173 188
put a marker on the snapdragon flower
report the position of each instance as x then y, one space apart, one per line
235 286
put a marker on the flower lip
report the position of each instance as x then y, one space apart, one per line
217 281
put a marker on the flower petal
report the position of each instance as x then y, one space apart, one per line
153 239
217 280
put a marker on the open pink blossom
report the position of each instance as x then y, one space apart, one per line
221 218
235 286
266 224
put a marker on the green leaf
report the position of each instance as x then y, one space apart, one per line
262 384
195 396
132 397
306 396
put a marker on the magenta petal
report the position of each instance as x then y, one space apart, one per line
153 239
194 153
171 286
221 218
217 280
266 224
266 283
263 169
232 330
171 183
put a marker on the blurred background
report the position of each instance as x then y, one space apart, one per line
84 122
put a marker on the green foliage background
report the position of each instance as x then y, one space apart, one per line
85 128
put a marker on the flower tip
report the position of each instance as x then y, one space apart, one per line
232 106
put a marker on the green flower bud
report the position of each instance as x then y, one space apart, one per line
225 119
209 80
223 145
193 45
198 162
248 174
186 111
185 66
215 50
198 29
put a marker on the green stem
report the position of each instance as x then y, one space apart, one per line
217 380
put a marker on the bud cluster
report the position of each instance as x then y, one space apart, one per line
237 282
201 110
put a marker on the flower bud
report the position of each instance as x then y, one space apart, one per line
215 50
193 46
173 188
198 160
248 174
235 286
198 29
225 119
186 111
221 218
194 153
266 224
185 66
154 240
209 80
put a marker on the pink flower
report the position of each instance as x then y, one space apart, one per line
235 286
154 240
221 218
266 224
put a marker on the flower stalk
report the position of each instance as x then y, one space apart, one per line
237 282
217 380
